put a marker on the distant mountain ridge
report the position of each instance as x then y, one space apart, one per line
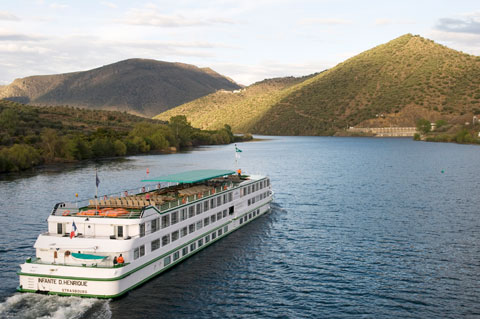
392 84
139 86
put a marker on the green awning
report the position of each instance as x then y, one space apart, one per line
191 176
87 256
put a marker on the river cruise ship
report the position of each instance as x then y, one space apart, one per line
104 248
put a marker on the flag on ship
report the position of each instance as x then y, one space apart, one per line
97 180
74 229
237 152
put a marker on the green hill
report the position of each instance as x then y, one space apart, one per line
139 86
392 84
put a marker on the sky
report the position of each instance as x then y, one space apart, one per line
246 40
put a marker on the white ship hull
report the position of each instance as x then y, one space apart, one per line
94 280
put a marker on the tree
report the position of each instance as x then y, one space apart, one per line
182 130
424 126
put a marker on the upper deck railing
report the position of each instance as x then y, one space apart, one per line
129 204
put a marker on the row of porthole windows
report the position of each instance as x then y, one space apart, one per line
193 246
249 216
257 198
246 190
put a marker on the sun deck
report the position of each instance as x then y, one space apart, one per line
187 188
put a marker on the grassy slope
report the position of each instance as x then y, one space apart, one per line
241 110
405 79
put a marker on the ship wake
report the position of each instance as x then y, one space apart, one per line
28 306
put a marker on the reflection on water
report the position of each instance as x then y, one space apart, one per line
360 227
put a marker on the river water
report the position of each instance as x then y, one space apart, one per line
360 227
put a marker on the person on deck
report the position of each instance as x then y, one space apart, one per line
239 171
120 260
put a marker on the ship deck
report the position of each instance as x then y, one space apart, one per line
127 205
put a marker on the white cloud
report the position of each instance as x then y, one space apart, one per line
5 15
466 42
151 16
467 23
383 22
461 32
109 4
58 6
324 21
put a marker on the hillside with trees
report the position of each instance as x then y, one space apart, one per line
393 84
138 86
30 136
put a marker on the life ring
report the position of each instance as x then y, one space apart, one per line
184 200
225 187
66 213
213 190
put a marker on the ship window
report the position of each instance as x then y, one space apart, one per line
193 246
241 220
199 224
205 205
136 253
214 235
207 239
199 209
60 229
165 221
165 240
230 196
183 214
249 202
155 224
174 217
191 228
142 229
200 242
231 210
185 251
225 198
219 200
176 255
225 229
212 203
220 232
175 235
142 250
184 232
191 211
155 244
224 213
166 261
206 221
119 231
219 215
249 216
213 218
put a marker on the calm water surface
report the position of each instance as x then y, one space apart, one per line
360 227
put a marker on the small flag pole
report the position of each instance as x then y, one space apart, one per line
97 181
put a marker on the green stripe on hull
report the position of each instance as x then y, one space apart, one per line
142 266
